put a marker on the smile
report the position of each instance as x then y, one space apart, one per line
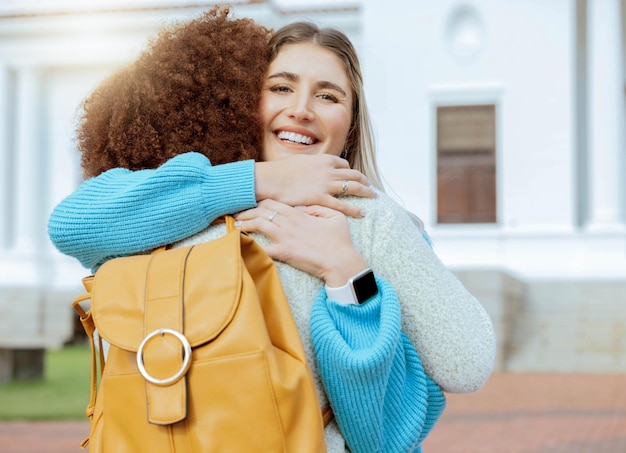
295 138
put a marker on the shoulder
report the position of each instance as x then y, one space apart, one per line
387 228
382 212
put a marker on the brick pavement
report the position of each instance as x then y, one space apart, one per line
536 413
514 413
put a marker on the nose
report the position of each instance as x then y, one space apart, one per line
301 110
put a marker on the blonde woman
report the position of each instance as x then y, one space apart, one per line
312 110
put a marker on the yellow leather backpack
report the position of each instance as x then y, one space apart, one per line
203 356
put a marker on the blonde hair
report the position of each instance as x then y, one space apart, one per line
360 149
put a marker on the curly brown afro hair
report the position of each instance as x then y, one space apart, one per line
196 87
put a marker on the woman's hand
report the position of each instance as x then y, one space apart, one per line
304 180
314 239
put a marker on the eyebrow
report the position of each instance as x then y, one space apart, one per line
295 77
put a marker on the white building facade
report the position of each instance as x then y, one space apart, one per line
555 72
550 261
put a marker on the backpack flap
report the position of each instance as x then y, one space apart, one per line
157 305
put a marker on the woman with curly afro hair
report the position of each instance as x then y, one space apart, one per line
179 96
310 99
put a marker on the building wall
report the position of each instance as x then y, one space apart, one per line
539 262
515 54
522 57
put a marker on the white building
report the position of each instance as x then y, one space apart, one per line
500 122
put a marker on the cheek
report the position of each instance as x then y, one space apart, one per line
338 128
341 126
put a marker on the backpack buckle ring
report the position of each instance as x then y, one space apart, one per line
186 357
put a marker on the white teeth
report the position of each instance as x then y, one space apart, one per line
296 138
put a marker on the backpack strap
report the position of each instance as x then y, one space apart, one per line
161 354
87 321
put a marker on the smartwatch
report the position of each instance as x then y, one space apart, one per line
363 285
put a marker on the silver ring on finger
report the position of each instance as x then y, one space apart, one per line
344 190
272 215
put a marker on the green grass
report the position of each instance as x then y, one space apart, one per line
63 394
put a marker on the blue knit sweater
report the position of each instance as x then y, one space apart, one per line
374 379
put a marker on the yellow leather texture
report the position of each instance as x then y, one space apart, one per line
248 389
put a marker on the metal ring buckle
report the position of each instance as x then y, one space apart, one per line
186 357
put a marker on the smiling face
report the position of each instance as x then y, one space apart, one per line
306 103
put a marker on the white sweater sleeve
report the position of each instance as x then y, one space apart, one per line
450 329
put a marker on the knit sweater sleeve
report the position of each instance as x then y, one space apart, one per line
449 327
381 397
122 212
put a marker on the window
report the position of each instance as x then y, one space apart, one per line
466 170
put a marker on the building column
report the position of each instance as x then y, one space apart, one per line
27 161
606 141
5 157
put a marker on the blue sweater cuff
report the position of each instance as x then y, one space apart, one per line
228 189
372 374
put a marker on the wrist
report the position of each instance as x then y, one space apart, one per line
262 190
343 268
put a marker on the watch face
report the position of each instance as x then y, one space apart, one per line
365 287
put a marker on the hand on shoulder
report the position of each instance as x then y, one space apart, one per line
304 180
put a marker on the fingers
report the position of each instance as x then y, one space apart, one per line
354 183
337 162
320 211
272 215
354 188
344 188
344 207
357 182
261 218
357 176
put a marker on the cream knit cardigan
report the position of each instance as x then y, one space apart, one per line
449 328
